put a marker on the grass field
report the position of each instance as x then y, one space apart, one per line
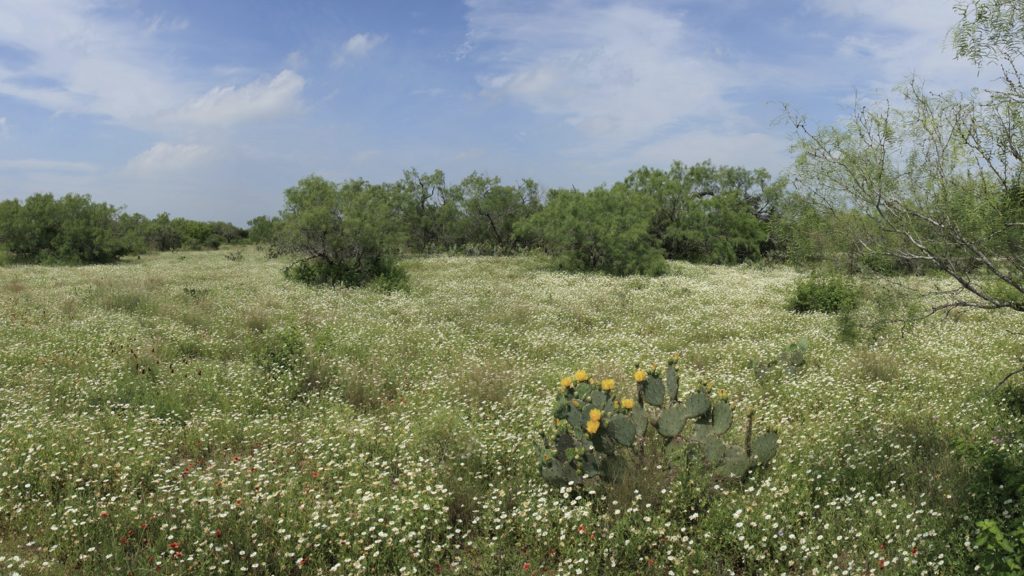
190 414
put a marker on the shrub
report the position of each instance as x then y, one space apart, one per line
829 294
69 230
345 233
603 230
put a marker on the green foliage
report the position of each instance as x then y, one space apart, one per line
69 230
603 230
432 212
493 211
346 233
601 435
1000 553
262 229
707 213
829 293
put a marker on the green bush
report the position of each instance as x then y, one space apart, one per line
829 294
347 233
69 230
603 230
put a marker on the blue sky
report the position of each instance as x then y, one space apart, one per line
210 109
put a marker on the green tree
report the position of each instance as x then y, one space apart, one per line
69 230
493 210
262 229
606 230
430 210
348 233
939 176
708 213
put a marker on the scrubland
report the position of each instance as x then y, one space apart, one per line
192 414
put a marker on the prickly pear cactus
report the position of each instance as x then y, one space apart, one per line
593 423
599 432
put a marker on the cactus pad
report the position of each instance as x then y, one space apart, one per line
763 447
721 418
654 391
697 404
671 422
735 464
714 450
622 430
672 383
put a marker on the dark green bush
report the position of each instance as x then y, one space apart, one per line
830 294
69 230
347 233
603 230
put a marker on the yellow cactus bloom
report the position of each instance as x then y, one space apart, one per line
595 414
607 384
592 426
676 358
627 403
722 393
639 376
581 376
566 383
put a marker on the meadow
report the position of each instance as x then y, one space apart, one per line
188 413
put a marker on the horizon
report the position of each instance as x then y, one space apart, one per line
209 111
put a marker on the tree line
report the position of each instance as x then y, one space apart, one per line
352 231
74 229
355 230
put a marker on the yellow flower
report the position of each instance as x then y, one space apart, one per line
639 376
595 415
592 426
607 384
581 376
675 358
566 383
722 394
627 403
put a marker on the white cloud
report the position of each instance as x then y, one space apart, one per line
619 71
295 60
37 165
3 126
78 57
167 157
233 104
77 61
357 46
895 39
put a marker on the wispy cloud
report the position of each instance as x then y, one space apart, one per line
3 126
38 165
76 57
357 46
618 70
166 157
226 105
892 40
